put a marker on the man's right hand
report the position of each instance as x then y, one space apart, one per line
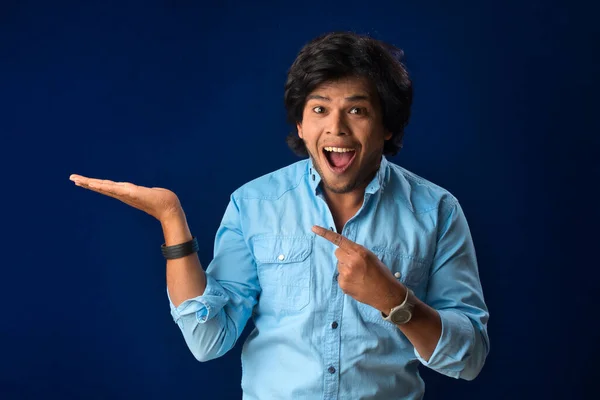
158 202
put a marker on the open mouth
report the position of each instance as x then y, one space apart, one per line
339 159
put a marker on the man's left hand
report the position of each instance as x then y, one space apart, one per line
362 275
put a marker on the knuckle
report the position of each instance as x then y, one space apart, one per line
363 253
130 192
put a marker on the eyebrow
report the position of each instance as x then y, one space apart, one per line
354 97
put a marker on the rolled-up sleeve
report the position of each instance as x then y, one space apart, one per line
212 323
455 292
202 307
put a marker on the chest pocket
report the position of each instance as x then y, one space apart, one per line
284 272
413 271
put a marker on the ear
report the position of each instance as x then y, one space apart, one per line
388 135
299 127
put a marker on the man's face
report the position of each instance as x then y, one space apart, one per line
343 131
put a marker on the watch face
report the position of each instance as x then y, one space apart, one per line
401 316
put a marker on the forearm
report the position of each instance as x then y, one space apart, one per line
424 328
185 277
446 341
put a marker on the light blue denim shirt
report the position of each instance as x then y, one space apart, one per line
311 341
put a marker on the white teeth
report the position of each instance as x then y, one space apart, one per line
338 149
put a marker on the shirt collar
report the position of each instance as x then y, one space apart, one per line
377 183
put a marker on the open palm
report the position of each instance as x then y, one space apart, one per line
158 202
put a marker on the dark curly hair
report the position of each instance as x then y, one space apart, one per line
338 55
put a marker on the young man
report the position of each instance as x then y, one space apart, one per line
354 270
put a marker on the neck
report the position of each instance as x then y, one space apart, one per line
350 200
344 206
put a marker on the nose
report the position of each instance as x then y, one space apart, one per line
337 124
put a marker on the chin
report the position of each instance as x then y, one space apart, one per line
339 187
341 190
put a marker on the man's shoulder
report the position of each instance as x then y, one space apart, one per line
417 193
273 185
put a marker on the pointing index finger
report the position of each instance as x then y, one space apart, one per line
334 237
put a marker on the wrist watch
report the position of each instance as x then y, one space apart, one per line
403 313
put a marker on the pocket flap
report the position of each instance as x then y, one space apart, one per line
412 269
282 249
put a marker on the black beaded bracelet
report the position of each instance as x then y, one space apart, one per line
180 250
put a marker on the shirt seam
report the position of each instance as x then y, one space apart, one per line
241 196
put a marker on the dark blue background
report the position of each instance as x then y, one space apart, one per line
189 96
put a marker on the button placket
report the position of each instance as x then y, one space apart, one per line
332 341
331 319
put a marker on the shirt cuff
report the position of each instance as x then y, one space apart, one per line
455 344
205 306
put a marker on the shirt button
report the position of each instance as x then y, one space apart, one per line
334 325
281 257
313 177
397 275
331 370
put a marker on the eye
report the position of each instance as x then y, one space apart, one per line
319 109
356 110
